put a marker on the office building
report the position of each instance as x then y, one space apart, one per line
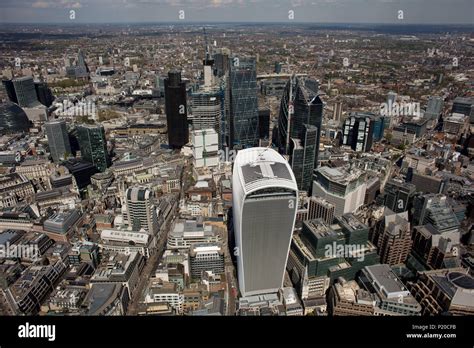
82 171
205 148
243 123
398 195
221 62
299 105
347 298
265 201
435 249
264 123
34 285
185 233
302 153
319 208
434 108
357 131
343 187
44 94
58 140
120 268
464 106
204 258
25 92
207 109
392 236
444 292
392 297
63 222
13 119
10 90
141 211
93 145
434 209
176 110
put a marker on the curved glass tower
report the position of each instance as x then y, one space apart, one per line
265 200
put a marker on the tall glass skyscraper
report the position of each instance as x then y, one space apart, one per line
300 105
243 103
58 139
302 153
265 200
25 91
93 145
176 110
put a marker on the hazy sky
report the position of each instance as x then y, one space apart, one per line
318 11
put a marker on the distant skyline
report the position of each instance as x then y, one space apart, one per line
315 11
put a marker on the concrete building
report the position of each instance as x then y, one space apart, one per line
205 148
343 187
206 257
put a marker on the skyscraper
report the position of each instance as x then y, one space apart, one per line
344 187
302 153
299 105
58 139
93 145
176 110
207 108
265 201
357 131
25 91
243 103
399 195
141 212
44 94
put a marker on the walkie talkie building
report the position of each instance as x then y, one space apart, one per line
265 200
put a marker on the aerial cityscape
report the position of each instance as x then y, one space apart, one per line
218 166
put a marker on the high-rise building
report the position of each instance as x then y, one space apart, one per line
205 148
207 109
265 201
93 145
398 195
434 107
176 110
299 105
44 94
434 209
264 123
25 91
243 122
392 236
10 89
221 62
141 212
344 187
58 140
357 131
302 153
464 106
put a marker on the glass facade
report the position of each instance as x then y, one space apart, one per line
93 145
244 129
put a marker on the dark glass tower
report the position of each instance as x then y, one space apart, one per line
93 145
243 123
176 110
302 153
44 94
303 106
58 139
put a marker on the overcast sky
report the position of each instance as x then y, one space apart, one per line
318 11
